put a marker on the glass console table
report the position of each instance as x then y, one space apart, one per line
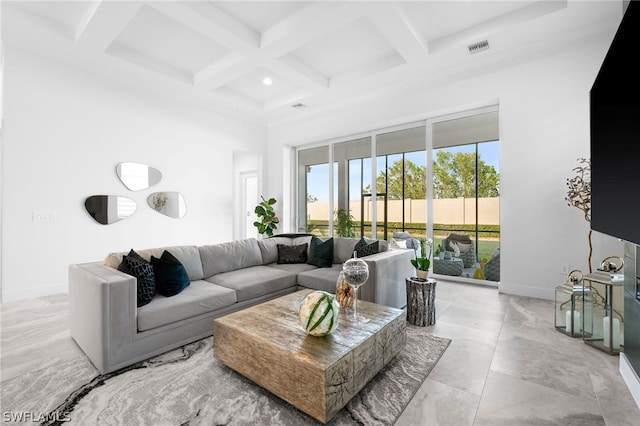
603 317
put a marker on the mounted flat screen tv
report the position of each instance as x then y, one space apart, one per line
615 135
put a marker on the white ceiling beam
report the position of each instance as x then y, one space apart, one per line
217 67
398 29
212 23
86 18
211 81
299 73
231 68
218 26
315 20
138 58
102 23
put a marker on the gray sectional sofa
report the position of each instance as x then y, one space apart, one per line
114 332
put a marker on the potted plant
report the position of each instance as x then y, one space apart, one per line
423 262
345 223
267 215
439 252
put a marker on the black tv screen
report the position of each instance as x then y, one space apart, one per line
615 135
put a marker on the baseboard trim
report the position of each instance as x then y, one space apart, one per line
32 293
630 378
518 290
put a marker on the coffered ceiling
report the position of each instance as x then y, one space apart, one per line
317 54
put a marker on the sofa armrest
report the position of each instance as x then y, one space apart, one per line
388 271
103 309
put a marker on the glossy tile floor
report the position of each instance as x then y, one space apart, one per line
506 364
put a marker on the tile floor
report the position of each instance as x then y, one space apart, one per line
506 364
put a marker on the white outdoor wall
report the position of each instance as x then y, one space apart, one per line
65 132
544 128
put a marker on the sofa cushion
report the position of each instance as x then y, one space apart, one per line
292 254
269 248
364 248
199 298
301 239
145 278
399 243
171 277
464 247
254 281
189 256
226 257
324 279
343 249
294 268
462 238
320 252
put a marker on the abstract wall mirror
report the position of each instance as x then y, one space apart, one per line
138 176
108 209
168 203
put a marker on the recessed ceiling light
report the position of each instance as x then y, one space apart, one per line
267 81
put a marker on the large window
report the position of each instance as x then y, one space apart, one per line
313 190
466 184
405 180
466 195
401 182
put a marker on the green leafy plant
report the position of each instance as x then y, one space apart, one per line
438 250
423 262
268 219
344 224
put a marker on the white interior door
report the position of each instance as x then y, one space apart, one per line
250 200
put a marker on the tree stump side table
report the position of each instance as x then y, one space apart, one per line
421 301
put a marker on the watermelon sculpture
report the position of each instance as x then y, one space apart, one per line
318 313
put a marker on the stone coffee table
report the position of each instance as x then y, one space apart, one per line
318 375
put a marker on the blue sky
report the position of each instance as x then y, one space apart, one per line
319 175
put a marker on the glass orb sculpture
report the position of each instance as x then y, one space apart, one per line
319 313
355 272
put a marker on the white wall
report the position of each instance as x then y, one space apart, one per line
544 128
65 132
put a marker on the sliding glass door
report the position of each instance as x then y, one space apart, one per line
402 179
466 184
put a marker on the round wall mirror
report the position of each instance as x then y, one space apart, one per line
137 176
168 203
108 209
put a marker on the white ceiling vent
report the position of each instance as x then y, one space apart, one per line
478 47
299 105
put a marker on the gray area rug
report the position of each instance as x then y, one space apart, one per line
188 386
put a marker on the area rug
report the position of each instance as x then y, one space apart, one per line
188 386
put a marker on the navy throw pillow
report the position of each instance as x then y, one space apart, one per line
144 273
321 252
171 277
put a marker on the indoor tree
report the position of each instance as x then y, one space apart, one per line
268 221
579 195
